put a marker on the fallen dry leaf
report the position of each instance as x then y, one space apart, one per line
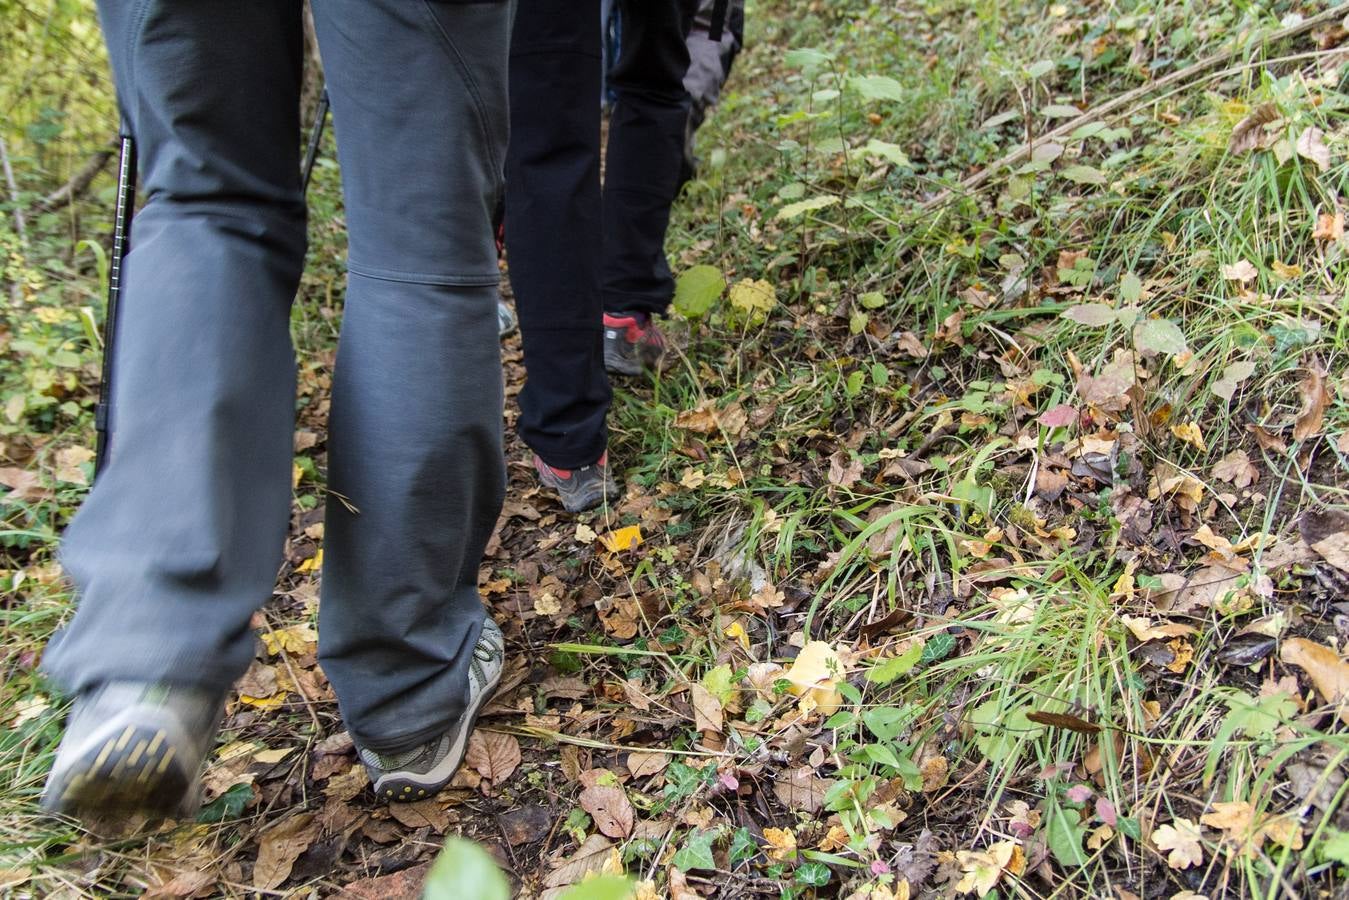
589 857
70 463
24 486
802 789
423 814
1311 145
493 755
1181 842
1315 398
983 869
643 765
814 675
610 807
781 844
1241 271
1250 133
1327 532
1329 227
1329 673
844 470
707 710
278 848
628 538
1143 629
1236 469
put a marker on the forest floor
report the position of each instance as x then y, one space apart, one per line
989 535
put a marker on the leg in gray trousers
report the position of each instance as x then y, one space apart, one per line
180 540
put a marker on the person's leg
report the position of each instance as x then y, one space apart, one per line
555 230
415 434
646 146
180 539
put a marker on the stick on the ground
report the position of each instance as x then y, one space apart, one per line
1123 100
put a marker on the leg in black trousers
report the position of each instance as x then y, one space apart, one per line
645 154
554 230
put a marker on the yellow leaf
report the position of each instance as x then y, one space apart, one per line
295 639
296 473
814 677
1184 653
623 539
272 702
735 631
312 564
1284 831
781 844
1190 434
1180 841
271 757
754 298
547 605
1329 673
1145 631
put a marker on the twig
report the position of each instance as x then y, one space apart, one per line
78 183
1127 98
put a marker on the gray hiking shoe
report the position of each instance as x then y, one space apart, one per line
133 747
632 344
580 489
418 773
506 321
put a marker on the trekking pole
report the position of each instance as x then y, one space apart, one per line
311 152
121 243
121 239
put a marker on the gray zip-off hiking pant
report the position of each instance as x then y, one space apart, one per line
181 538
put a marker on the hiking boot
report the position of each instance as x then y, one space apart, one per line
506 321
418 773
632 343
134 747
580 489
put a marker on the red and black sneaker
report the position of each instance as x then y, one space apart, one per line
632 343
580 489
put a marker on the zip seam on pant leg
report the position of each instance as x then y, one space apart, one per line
471 85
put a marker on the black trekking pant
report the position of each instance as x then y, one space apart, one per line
576 251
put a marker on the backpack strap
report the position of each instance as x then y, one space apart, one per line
717 27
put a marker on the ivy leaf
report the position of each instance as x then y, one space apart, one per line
743 846
228 805
813 874
696 852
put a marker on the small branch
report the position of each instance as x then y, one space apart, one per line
73 189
